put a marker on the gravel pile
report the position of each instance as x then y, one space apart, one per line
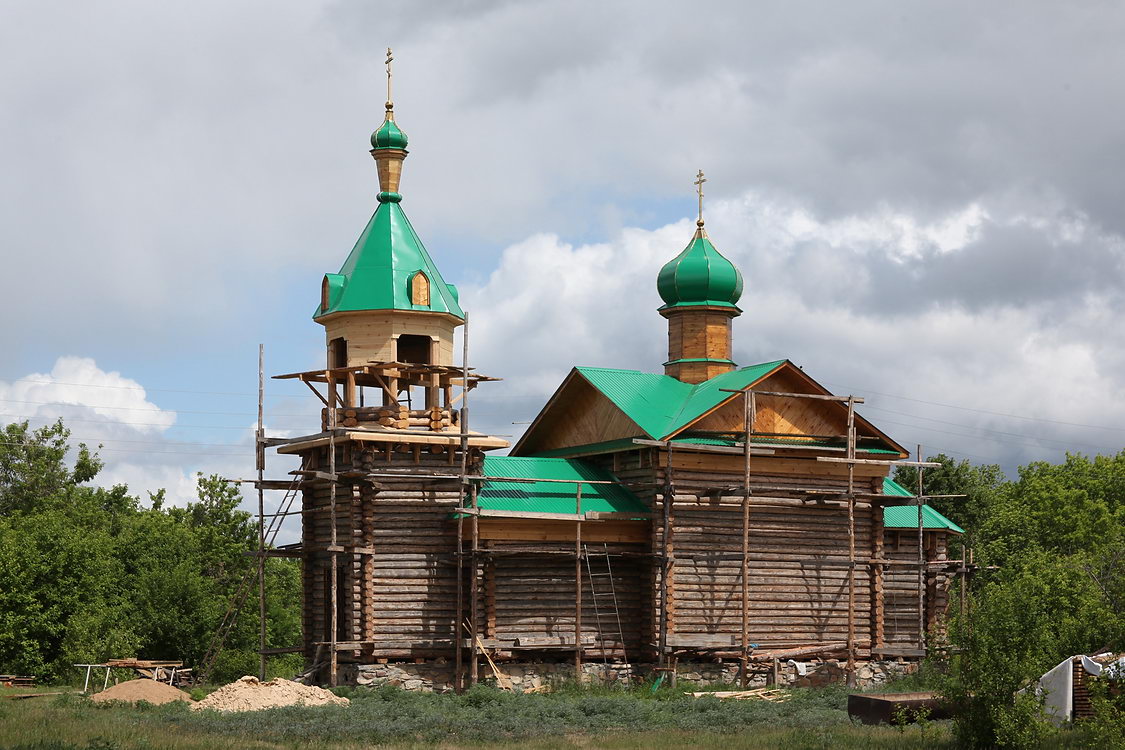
144 689
248 694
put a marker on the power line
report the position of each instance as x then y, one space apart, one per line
241 454
146 409
1038 444
981 411
176 426
156 390
975 427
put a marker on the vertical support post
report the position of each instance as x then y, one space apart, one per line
463 428
666 559
851 542
474 590
334 615
921 564
469 492
578 583
260 464
459 617
748 408
877 573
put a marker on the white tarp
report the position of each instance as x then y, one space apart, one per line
1058 687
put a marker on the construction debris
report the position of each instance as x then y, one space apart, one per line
143 689
773 695
249 694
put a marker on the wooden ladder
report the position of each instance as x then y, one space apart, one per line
611 595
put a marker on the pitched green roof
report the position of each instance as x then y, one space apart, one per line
377 273
552 497
906 516
661 405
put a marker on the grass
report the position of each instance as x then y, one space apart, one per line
571 717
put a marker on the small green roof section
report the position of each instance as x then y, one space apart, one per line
699 275
661 405
906 516
378 272
552 497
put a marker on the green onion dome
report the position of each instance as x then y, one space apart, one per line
699 276
389 134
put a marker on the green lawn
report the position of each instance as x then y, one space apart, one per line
483 717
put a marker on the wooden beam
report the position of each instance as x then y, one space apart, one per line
877 462
578 585
851 681
813 396
732 449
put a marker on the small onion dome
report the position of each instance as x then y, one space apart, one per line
699 276
389 135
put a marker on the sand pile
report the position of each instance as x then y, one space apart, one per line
143 689
248 694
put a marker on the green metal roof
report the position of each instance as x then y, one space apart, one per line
906 516
661 405
377 273
699 275
552 497
389 135
891 487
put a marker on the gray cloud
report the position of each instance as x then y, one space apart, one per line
180 176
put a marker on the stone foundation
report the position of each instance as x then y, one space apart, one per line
525 676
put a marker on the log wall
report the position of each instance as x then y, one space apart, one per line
397 562
397 570
798 569
901 587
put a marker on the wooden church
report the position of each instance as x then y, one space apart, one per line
707 512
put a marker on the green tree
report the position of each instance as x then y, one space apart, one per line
87 573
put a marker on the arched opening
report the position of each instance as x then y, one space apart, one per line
413 349
420 289
324 295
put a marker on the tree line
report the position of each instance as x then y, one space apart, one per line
1051 583
89 573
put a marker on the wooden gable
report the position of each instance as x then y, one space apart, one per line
789 416
578 414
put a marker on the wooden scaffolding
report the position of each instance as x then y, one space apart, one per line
453 471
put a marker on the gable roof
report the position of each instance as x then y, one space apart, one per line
664 408
906 516
377 272
661 405
552 497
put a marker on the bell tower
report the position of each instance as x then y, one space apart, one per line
699 288
389 302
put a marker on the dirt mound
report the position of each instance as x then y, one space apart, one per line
143 689
248 694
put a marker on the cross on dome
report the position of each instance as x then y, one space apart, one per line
699 180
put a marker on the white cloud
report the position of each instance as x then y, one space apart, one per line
551 305
78 388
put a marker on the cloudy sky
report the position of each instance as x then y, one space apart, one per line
924 199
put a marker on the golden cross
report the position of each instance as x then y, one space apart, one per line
390 59
699 180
